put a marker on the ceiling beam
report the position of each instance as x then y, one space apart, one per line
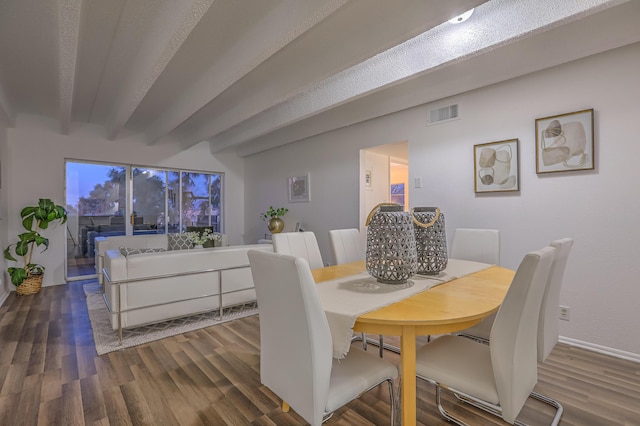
147 70
494 24
331 55
269 36
69 24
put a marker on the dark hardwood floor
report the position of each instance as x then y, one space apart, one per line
50 374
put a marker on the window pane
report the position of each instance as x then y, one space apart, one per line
148 201
216 199
195 199
95 201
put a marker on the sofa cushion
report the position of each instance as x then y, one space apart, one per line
127 251
179 242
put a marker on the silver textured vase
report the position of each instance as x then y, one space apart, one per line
391 245
431 240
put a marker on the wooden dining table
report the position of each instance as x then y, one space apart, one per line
452 306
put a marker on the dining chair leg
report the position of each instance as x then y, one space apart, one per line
393 401
535 395
552 402
379 343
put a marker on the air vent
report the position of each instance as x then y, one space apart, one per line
440 115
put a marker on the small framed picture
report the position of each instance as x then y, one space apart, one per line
495 167
565 142
299 189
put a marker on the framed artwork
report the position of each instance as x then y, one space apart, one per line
495 166
299 189
565 142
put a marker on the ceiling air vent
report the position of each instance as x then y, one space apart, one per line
444 114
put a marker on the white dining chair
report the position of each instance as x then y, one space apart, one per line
478 245
295 343
548 332
346 245
500 376
299 244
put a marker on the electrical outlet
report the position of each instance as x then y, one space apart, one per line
564 312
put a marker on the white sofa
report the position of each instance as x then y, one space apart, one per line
158 286
137 241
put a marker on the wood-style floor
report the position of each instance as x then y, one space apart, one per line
50 374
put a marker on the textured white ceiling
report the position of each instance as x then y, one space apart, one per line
251 75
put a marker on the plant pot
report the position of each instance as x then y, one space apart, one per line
276 225
30 285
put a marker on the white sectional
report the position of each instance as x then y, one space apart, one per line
137 241
162 285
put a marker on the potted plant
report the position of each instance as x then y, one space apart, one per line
28 277
275 224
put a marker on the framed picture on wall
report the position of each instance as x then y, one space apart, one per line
299 189
564 142
495 167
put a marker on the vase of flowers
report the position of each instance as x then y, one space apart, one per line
275 224
200 238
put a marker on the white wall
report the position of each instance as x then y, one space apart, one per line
599 208
4 287
34 168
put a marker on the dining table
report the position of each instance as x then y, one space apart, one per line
447 307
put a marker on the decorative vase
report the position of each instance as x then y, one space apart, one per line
276 225
197 246
431 240
391 246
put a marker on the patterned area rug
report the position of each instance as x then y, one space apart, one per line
106 338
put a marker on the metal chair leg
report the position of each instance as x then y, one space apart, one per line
552 402
535 395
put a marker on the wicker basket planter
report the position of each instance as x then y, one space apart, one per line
31 285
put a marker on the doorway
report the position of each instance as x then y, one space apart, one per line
384 172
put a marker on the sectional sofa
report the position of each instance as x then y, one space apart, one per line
145 282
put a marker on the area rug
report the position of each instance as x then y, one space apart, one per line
106 338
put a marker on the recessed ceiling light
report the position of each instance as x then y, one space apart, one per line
461 18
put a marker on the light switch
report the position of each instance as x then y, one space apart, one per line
418 182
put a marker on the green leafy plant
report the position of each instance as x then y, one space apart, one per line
34 219
271 213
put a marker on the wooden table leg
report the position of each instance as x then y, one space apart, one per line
408 375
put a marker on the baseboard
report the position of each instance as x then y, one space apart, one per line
3 297
630 356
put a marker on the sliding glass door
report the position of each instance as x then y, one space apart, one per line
104 200
96 204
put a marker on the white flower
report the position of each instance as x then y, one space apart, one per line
198 238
